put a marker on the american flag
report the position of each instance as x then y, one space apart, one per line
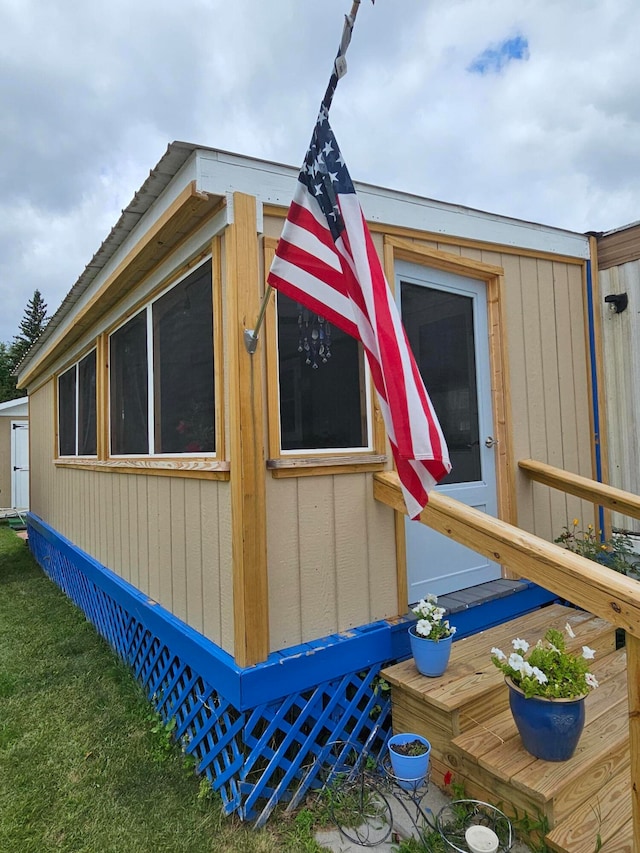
326 260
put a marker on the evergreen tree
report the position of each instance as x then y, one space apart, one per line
7 382
31 327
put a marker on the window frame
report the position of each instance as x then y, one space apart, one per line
75 367
292 463
146 308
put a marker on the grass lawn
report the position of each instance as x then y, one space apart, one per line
85 765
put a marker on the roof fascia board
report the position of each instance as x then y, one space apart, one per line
188 250
185 176
15 408
271 183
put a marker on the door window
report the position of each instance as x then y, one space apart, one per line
440 329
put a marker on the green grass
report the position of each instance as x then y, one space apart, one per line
85 765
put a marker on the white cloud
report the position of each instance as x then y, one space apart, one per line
93 92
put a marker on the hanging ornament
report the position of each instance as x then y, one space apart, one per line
314 337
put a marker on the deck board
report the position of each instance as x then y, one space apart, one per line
602 817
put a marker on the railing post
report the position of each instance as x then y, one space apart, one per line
633 686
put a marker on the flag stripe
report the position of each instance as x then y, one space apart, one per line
326 260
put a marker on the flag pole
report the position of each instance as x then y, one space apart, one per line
339 70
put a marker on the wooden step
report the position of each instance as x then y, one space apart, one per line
472 690
584 801
493 759
605 819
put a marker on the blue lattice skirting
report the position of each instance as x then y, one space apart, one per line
259 734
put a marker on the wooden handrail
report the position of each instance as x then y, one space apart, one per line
602 591
613 596
582 487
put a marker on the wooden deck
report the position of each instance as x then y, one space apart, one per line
465 715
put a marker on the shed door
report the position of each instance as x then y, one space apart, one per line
445 316
20 464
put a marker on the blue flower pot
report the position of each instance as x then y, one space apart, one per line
431 656
550 728
409 771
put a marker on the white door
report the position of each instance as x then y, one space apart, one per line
20 464
445 316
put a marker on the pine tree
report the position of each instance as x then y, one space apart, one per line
31 327
7 382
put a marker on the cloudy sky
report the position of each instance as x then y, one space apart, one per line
527 108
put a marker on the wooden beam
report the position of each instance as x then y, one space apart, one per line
102 398
246 439
582 487
405 250
633 686
608 594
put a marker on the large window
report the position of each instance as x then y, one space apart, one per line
162 376
77 408
322 383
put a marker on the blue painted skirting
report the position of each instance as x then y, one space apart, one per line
259 733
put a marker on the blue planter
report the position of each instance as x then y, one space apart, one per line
409 771
550 728
431 656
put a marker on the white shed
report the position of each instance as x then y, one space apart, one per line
14 454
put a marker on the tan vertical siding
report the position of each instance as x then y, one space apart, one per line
283 555
331 551
352 586
225 566
193 555
162 534
317 555
549 384
141 485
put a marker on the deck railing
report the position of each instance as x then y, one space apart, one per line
586 584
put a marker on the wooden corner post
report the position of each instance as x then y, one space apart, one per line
246 439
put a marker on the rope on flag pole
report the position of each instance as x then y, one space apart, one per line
339 70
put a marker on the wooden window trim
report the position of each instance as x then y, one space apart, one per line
320 462
190 468
214 463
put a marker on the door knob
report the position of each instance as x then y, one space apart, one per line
490 441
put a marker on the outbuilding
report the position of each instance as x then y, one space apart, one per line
14 455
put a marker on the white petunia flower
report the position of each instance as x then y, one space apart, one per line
432 599
516 661
539 675
452 628
527 669
587 653
569 630
423 627
499 654
520 645
591 680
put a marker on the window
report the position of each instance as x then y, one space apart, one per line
162 374
77 408
322 383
